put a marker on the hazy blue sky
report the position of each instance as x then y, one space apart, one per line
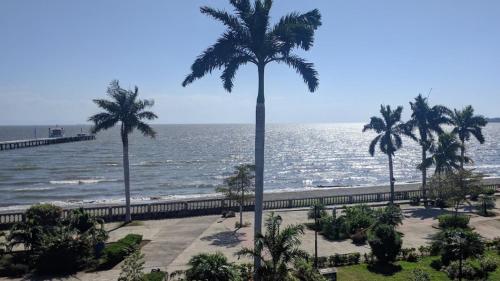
55 56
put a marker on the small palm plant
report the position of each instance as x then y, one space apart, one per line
466 124
427 121
250 39
445 155
239 186
389 129
276 249
124 108
213 267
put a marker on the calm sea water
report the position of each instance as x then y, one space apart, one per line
191 160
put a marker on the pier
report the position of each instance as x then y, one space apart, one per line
16 144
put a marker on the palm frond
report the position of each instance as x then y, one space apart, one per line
230 70
214 57
145 129
373 143
227 19
304 68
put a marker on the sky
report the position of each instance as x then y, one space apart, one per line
58 55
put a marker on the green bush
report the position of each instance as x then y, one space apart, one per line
485 203
453 221
418 274
437 264
13 265
385 243
114 253
44 214
358 217
468 270
155 276
211 267
488 264
391 215
61 252
451 244
304 270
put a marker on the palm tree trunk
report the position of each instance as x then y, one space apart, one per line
126 177
462 155
242 201
391 178
260 122
424 177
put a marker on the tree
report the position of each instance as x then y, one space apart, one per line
444 156
239 185
130 112
281 246
466 124
426 120
249 38
385 242
454 186
389 129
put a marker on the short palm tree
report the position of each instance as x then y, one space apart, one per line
277 249
427 121
249 38
124 108
239 185
466 124
445 155
389 129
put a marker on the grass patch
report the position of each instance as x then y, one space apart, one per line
401 271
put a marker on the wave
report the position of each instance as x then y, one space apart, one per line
33 189
82 181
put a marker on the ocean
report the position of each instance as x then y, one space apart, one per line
192 160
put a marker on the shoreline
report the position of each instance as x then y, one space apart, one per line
273 195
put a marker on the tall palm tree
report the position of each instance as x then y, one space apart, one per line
124 108
239 185
249 38
389 129
427 121
466 124
445 155
276 249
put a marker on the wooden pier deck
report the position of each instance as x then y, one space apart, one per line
16 144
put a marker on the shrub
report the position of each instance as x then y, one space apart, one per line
358 217
468 270
155 276
440 203
409 254
385 243
114 253
61 252
322 262
418 274
44 214
436 264
211 267
485 203
354 258
391 215
13 265
133 267
304 270
488 264
452 244
424 251
319 208
453 221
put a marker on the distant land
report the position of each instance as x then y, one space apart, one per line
494 120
